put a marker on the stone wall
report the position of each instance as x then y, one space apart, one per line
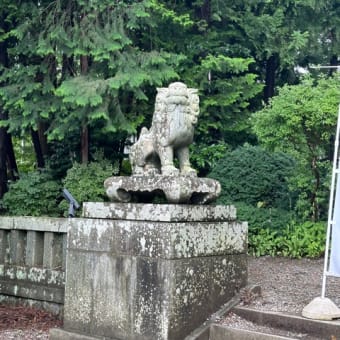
33 261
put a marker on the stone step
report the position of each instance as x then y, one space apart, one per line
243 323
273 325
220 332
249 324
311 329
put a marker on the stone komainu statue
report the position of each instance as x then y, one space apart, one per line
171 133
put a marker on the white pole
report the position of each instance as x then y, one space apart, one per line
321 66
330 223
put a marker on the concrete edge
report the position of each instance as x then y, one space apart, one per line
44 224
324 329
54 308
32 291
221 332
60 334
161 212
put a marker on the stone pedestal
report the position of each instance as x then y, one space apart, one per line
176 189
145 271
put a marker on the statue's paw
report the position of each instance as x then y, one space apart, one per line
188 171
137 171
169 170
152 171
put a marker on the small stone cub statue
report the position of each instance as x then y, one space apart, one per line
171 133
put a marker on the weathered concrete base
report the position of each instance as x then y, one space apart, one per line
146 278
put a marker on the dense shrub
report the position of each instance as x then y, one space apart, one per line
296 240
254 176
85 181
257 183
262 218
34 194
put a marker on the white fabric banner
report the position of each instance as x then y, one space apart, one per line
334 265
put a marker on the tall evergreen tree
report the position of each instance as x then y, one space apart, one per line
8 164
80 67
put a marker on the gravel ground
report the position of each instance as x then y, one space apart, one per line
287 286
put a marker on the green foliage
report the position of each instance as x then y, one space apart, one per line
125 169
226 87
301 240
24 154
254 176
301 118
263 242
301 121
256 182
170 15
86 181
268 28
63 154
205 157
105 35
296 240
27 99
260 218
34 194
81 64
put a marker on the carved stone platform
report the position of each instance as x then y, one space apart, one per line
176 189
